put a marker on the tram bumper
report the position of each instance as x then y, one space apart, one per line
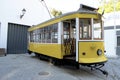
101 59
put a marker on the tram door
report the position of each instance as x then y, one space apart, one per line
69 39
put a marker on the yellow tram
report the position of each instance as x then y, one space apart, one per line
76 36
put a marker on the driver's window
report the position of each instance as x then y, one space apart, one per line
85 31
97 29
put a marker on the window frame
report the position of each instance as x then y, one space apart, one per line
90 28
101 26
41 35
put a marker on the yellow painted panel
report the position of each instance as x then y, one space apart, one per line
93 60
53 50
90 50
70 16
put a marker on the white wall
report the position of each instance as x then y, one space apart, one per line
111 19
0 31
10 11
110 43
3 35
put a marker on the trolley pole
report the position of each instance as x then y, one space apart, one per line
46 8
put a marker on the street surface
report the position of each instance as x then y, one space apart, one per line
28 67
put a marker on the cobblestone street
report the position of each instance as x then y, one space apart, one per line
28 67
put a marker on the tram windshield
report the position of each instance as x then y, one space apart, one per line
85 29
90 30
97 29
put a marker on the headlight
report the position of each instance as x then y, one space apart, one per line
99 52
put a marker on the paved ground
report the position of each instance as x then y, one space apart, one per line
28 67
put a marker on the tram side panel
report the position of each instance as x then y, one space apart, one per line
52 50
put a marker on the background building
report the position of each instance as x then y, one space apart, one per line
112 33
13 27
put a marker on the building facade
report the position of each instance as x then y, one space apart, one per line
112 34
10 18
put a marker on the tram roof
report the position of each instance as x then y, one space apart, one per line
80 11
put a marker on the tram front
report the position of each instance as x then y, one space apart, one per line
90 45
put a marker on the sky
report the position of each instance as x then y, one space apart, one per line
70 5
36 11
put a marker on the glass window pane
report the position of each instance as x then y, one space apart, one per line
43 35
54 33
97 29
85 29
31 36
39 35
66 29
47 34
48 37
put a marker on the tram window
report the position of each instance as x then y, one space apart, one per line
66 30
31 36
37 38
85 29
48 35
43 35
55 27
55 33
97 29
39 35
74 33
34 36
